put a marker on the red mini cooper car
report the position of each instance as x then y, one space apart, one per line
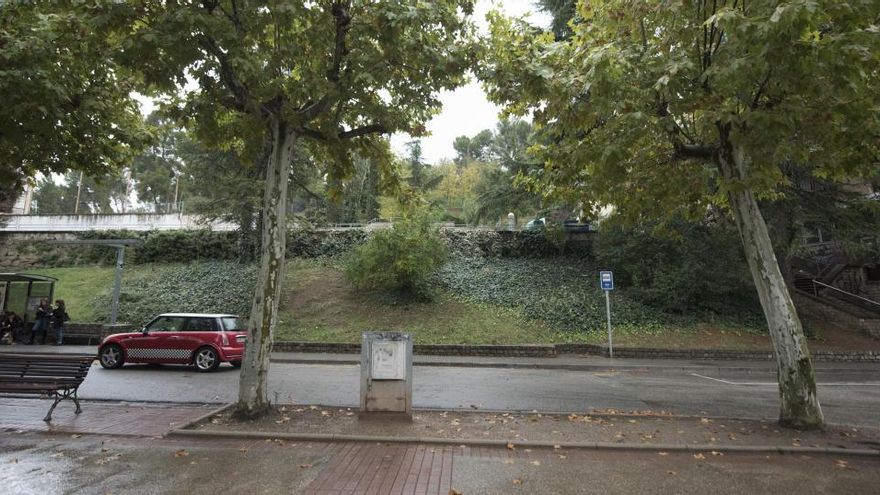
204 340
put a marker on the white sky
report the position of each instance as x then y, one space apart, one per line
466 111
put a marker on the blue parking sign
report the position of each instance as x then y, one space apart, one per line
606 280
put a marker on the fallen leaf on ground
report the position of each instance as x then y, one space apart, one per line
517 481
670 473
305 466
75 435
662 453
105 460
563 456
699 456
705 420
557 447
536 463
510 446
715 452
181 453
508 461
453 491
243 449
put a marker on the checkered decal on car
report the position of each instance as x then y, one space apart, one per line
141 353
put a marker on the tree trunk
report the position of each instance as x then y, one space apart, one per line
797 383
253 397
9 194
246 244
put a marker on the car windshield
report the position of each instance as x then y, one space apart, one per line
232 324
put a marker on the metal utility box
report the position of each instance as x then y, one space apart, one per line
386 375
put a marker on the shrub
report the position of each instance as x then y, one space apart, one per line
401 258
688 267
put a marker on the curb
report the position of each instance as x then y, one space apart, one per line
201 418
761 369
183 431
554 350
235 434
530 366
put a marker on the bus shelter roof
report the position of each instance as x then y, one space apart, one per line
24 277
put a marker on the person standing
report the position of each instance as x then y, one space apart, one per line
43 314
59 316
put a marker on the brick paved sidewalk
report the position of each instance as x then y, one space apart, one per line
97 417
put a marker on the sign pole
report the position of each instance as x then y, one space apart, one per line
608 314
606 283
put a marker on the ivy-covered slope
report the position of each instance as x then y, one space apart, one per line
562 291
206 287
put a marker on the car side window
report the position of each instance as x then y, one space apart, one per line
166 324
232 324
200 325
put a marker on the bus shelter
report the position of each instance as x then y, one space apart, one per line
21 293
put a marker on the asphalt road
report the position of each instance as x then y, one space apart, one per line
847 396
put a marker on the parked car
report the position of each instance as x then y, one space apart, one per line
536 224
576 226
203 340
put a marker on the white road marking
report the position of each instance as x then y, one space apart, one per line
827 384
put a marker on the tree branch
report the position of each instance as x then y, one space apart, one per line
343 23
240 93
363 131
694 150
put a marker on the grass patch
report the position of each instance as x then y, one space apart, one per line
78 287
148 290
323 307
320 306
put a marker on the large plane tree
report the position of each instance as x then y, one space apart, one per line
667 107
335 73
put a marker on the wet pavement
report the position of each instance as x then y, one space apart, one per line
119 444
59 464
142 419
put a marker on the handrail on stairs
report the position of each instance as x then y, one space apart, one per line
850 294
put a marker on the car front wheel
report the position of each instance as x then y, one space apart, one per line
206 359
111 356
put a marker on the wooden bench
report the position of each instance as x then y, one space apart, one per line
56 376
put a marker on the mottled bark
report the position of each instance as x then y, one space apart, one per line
9 193
253 397
797 384
246 233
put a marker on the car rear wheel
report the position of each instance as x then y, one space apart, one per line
206 359
111 356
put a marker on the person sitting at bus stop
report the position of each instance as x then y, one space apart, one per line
14 325
43 314
5 333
